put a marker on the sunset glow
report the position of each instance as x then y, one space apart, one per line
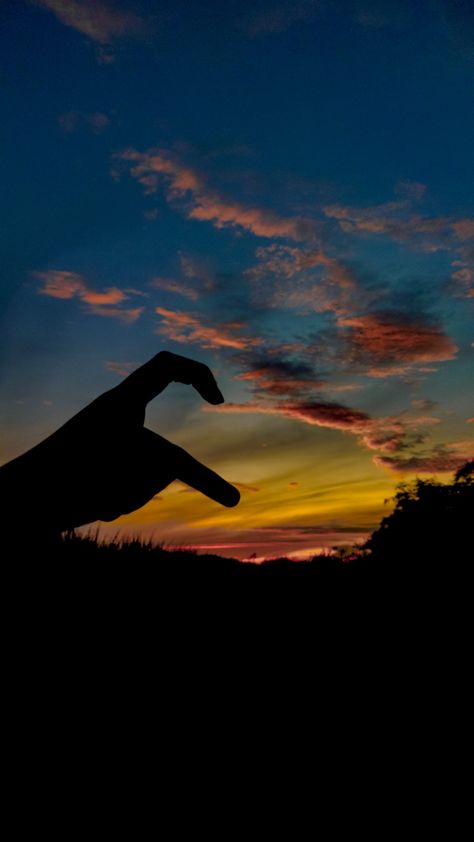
280 190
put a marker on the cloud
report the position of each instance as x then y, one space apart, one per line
318 281
101 22
259 221
131 315
188 189
394 435
332 415
67 285
396 220
168 285
189 327
277 376
440 459
463 229
411 190
97 121
121 368
391 342
462 278
60 284
109 296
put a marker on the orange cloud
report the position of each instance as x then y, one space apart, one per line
391 342
274 375
123 369
184 183
396 220
441 459
318 281
117 313
334 416
186 327
169 285
463 229
67 285
109 296
388 435
59 284
100 21
261 222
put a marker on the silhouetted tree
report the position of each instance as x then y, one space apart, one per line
432 521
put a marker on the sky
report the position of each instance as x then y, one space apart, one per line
282 190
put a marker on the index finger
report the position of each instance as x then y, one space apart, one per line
153 377
203 479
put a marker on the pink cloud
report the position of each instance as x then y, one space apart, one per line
59 284
387 435
279 382
391 343
334 416
100 21
441 459
67 285
109 296
123 315
396 220
168 285
121 368
411 189
156 166
188 327
463 229
318 281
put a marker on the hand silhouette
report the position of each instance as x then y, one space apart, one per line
103 462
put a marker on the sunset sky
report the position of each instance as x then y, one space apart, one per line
282 190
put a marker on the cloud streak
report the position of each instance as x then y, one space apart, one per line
397 221
392 435
187 189
101 22
191 327
318 281
390 343
70 285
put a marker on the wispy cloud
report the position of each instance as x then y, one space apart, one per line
394 435
188 189
411 189
318 281
96 121
276 376
101 22
440 459
191 327
389 343
58 283
121 368
462 278
169 285
397 221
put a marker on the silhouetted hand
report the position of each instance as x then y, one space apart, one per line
103 462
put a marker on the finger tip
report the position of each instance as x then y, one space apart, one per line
216 399
232 497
